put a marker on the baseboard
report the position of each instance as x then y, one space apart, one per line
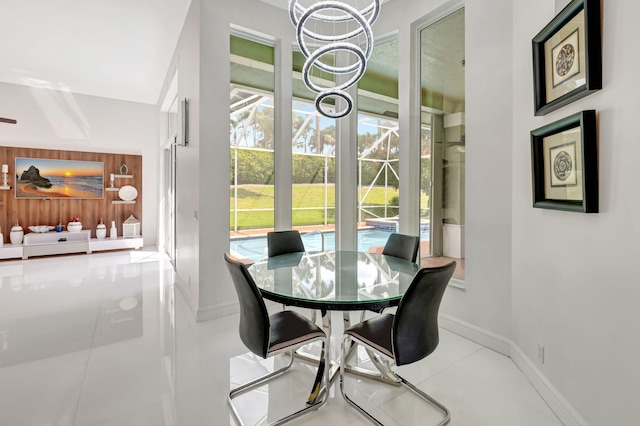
186 296
558 404
217 311
208 312
476 334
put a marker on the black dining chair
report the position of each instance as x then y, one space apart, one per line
267 336
402 246
406 337
282 242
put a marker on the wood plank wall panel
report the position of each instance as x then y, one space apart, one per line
54 211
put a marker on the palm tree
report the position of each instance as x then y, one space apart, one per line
322 137
263 128
301 129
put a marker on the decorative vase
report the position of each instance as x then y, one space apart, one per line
74 226
113 234
101 231
17 233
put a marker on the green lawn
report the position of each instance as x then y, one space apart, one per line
304 195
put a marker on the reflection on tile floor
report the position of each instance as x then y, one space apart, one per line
104 339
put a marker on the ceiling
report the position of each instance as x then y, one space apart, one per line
122 49
116 49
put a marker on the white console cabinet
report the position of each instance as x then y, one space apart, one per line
36 244
52 243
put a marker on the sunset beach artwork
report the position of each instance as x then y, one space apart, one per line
68 179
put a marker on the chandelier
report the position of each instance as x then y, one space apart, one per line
326 28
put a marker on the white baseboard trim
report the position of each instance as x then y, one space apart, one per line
217 311
208 312
558 404
182 288
479 335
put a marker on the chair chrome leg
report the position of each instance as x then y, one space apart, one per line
428 398
259 381
347 341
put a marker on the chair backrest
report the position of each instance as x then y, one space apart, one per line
415 326
282 242
402 246
254 318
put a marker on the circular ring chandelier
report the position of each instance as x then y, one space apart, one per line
315 44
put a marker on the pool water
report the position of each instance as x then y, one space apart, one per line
255 248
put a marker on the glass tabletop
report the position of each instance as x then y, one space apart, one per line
334 280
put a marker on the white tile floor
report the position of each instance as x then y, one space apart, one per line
103 339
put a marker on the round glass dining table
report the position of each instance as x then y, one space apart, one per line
334 280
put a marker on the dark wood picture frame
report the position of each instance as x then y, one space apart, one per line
573 37
570 145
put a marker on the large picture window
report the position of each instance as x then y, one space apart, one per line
442 113
252 143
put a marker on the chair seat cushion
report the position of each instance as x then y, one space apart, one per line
289 328
375 332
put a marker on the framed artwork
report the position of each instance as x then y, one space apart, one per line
564 162
66 179
567 57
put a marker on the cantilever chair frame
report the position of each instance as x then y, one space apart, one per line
346 345
313 403
233 393
378 356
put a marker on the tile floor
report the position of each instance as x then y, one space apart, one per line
104 339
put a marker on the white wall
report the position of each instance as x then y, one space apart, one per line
202 60
486 301
575 283
186 62
50 119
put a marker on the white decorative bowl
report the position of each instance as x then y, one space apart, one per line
41 228
74 226
128 193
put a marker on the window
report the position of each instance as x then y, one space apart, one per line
443 137
378 150
251 137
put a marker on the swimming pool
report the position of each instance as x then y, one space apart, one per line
255 248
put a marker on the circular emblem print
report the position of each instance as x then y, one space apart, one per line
564 60
562 165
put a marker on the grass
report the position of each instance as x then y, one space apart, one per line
304 195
